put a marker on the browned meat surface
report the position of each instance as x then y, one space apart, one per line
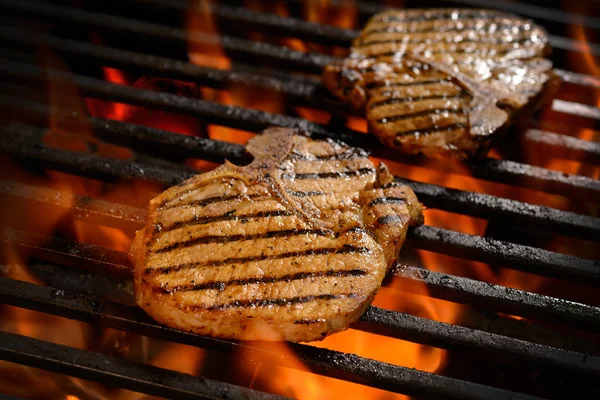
291 247
442 81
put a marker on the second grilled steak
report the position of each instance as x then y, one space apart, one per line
442 81
291 247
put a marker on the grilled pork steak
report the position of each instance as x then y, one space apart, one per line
291 247
442 81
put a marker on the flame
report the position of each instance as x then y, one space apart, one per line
341 14
106 109
171 356
72 136
277 369
18 379
589 61
590 67
203 43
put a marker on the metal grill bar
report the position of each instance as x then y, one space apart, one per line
270 23
306 91
580 110
91 166
96 211
578 79
447 287
347 366
62 251
502 209
510 255
311 62
114 371
136 137
405 326
528 10
236 117
399 325
564 146
499 298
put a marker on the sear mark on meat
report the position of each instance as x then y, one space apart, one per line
293 246
441 82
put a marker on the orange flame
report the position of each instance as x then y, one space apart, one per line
203 43
72 136
107 109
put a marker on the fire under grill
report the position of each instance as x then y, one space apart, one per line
515 344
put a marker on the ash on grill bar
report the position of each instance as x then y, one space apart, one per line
106 104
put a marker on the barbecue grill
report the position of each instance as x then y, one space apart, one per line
508 343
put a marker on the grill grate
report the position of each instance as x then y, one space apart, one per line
520 257
577 364
130 318
470 203
111 370
504 171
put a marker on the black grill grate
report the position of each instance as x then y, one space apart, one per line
22 138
